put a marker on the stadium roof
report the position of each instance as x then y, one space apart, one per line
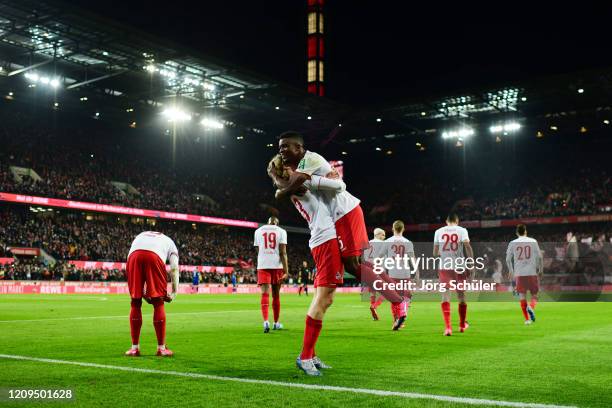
88 54
89 57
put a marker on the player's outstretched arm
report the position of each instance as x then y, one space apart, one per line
318 183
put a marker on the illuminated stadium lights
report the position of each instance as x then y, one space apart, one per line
309 117
580 90
539 135
378 120
270 145
524 99
176 115
239 137
583 129
277 107
211 124
45 80
553 127
423 113
83 98
458 134
606 121
344 153
507 127
339 124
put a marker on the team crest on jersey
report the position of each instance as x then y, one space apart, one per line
302 164
338 276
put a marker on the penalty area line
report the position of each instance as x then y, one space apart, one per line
333 388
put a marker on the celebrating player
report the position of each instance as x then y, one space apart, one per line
524 260
449 243
146 265
344 208
375 250
272 268
399 246
326 253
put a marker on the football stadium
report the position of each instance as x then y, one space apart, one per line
304 203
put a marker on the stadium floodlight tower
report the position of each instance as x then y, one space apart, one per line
314 48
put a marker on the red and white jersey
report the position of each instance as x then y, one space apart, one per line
523 256
317 215
450 241
377 249
399 246
268 239
156 242
339 204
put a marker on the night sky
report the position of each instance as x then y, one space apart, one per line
381 53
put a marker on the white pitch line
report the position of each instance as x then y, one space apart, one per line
382 393
119 316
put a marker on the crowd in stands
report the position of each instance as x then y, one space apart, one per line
80 163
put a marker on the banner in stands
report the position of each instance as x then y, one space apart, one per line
121 288
138 212
121 266
5 261
25 251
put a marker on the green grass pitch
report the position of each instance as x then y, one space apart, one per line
565 358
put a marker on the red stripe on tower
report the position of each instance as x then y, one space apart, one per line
314 48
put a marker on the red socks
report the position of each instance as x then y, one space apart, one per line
524 308
275 307
534 301
159 321
135 320
265 304
446 314
462 314
311 334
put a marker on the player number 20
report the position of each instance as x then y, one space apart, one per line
524 252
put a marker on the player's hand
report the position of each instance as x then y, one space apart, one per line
170 298
284 277
147 299
333 174
301 190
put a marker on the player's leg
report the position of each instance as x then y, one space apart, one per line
445 277
463 324
521 289
353 239
329 276
276 306
300 290
136 283
157 290
534 288
306 288
462 307
264 280
321 301
265 305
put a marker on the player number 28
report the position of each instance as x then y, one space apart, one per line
450 242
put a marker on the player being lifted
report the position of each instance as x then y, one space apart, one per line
146 265
524 260
272 268
325 251
398 245
343 207
449 244
375 250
